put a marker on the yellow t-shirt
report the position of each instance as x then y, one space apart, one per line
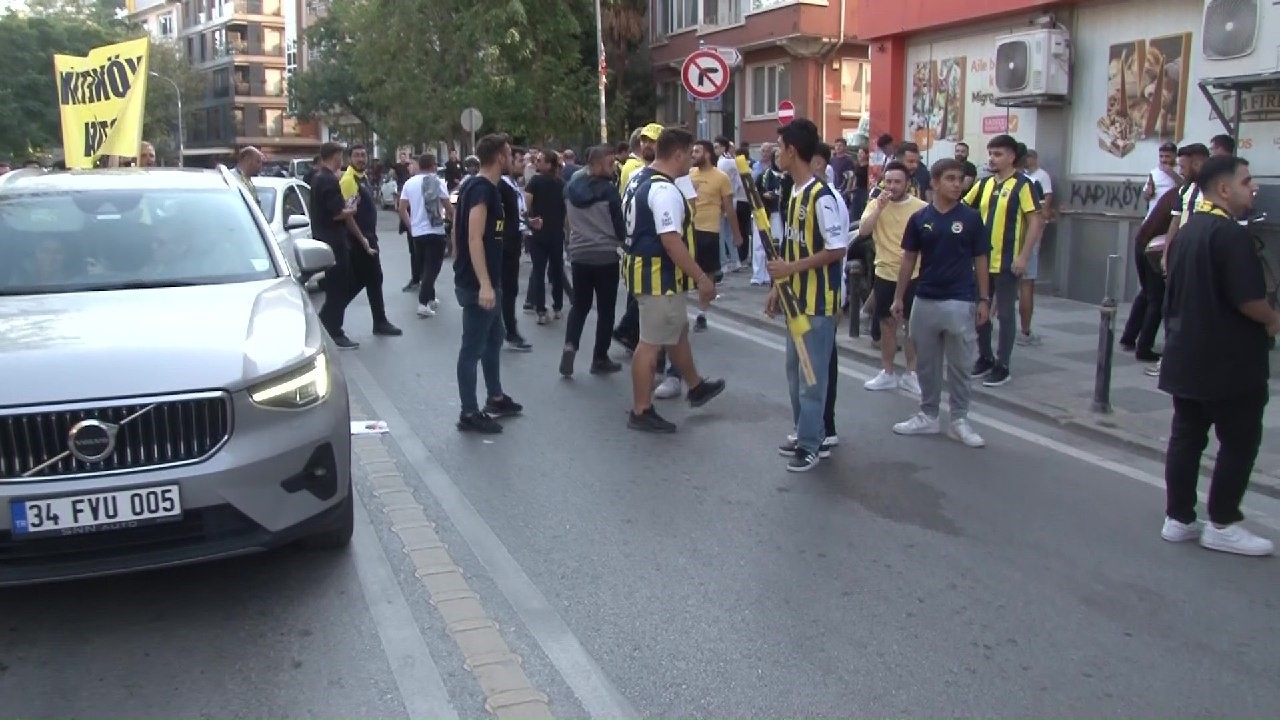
887 235
629 167
712 187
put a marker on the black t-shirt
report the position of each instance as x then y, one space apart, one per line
1211 350
548 201
510 208
452 172
479 191
327 204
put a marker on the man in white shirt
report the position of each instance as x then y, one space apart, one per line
1027 286
1163 178
731 258
425 209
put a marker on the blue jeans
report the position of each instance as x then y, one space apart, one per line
809 401
482 336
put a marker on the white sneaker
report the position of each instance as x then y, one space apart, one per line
961 430
1153 370
1235 539
885 380
918 424
1176 532
425 311
910 382
435 305
670 388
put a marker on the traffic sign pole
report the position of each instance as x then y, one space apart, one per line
703 121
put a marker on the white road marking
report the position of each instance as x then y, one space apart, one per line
765 339
597 693
417 678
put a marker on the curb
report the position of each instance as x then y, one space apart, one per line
1261 483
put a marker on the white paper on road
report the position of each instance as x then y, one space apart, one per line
369 427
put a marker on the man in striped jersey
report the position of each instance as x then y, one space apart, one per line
1190 159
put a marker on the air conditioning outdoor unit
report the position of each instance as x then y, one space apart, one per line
1033 64
1240 37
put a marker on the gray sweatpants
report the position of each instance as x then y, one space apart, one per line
944 333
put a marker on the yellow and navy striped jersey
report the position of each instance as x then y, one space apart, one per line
816 290
652 206
1189 201
1004 206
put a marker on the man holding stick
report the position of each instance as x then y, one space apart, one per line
814 246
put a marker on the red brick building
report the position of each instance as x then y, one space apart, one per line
804 51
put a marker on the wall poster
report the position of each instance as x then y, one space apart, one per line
937 102
1146 94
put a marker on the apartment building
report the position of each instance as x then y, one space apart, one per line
805 51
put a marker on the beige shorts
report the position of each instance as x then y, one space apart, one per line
663 318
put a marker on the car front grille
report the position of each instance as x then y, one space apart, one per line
149 433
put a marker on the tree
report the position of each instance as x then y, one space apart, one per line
160 124
329 85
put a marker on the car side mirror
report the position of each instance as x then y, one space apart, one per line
313 256
296 222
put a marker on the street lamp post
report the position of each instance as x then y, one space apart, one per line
177 91
604 117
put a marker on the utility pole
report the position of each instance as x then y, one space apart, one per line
604 116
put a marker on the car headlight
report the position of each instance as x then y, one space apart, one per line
296 390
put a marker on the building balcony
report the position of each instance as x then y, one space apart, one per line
272 8
240 48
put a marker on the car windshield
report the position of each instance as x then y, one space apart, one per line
114 239
267 199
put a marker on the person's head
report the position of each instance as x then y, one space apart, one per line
649 135
674 151
884 142
453 155
864 155
1190 158
471 164
909 155
896 178
427 162
146 155
723 145
569 156
331 156
841 146
1222 145
621 151
704 154
1226 181
948 180
1002 154
821 159
494 153
359 157
601 161
1168 154
249 160
548 162
767 151
798 142
1032 160
518 162
961 152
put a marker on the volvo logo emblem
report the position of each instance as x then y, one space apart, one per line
92 441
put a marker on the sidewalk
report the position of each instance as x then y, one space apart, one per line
1054 381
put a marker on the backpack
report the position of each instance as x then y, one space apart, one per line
432 199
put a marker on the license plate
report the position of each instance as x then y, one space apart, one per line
100 512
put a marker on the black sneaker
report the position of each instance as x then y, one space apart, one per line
517 343
410 287
478 422
625 341
528 308
704 392
789 448
1146 356
345 343
700 323
982 367
802 461
386 329
649 421
503 407
998 376
566 360
604 366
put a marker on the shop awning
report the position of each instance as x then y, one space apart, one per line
1239 85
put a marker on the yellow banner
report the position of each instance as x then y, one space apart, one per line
101 98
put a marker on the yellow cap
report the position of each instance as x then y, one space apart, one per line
652 131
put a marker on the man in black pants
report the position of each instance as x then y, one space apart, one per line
330 215
366 265
544 195
596 233
425 209
512 242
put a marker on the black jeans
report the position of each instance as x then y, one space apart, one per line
546 248
510 283
599 283
1237 422
430 257
829 413
482 334
366 275
1148 308
415 257
337 289
743 211
1005 287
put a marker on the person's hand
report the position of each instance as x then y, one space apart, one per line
769 195
706 290
488 298
984 313
535 223
882 200
771 303
780 269
1019 266
370 249
896 309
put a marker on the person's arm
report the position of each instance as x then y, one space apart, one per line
1029 206
476 219
403 208
871 216
1179 213
1149 189
668 207
619 220
971 196
349 189
1046 201
1239 274
910 255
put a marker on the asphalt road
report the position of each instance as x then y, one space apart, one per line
683 575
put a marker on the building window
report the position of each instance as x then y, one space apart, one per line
165 26
855 87
721 12
762 5
672 108
770 85
678 15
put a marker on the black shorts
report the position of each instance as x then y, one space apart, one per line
707 251
884 291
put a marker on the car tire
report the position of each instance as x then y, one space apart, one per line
337 536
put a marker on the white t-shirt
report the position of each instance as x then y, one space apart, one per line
419 221
729 166
1042 177
1163 183
667 203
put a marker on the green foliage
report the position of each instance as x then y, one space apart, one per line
160 124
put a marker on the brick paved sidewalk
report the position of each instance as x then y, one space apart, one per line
1055 380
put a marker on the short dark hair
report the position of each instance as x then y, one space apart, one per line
354 148
897 165
622 148
724 140
427 161
1215 168
908 147
1226 142
329 150
884 141
965 144
1004 142
489 147
1168 148
672 141
944 166
1193 150
802 136
824 152
706 146
599 153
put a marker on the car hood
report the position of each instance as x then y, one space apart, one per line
118 343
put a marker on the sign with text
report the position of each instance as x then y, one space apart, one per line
101 99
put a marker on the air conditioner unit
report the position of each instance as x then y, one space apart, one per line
1240 37
1033 63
